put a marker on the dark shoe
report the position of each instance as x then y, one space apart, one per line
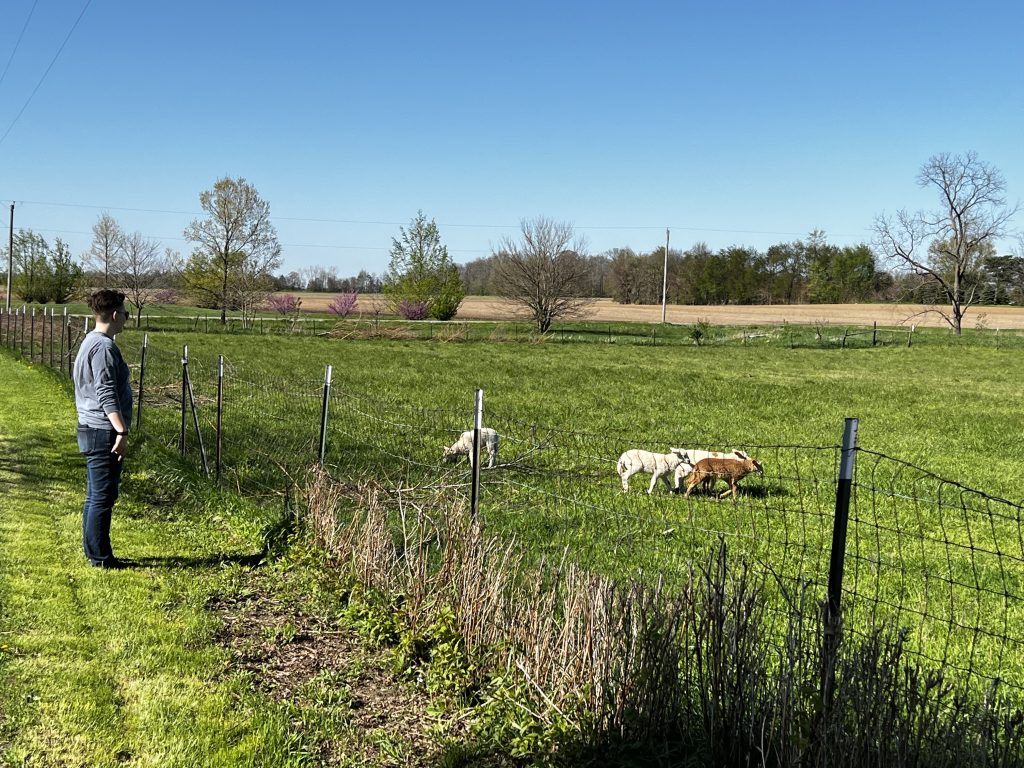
112 564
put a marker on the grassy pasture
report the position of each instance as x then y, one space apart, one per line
943 562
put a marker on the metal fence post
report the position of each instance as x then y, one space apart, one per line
478 420
195 424
184 397
833 604
142 382
54 309
220 412
323 415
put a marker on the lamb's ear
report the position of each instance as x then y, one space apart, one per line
741 454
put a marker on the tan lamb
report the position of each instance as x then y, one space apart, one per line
707 471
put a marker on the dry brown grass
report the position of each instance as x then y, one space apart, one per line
689 672
607 310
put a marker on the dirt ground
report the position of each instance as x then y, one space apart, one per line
491 308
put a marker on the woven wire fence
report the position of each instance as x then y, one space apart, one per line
926 556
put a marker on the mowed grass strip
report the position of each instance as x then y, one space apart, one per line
102 668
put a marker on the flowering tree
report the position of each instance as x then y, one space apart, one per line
411 309
165 296
285 303
343 304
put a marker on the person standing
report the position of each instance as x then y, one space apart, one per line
103 399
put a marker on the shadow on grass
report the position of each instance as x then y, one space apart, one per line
208 561
34 459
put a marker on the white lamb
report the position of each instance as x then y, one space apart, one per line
691 456
489 441
658 464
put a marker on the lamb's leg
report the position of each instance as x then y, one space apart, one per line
654 481
731 490
625 475
691 484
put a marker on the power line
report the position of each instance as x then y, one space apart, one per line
47 72
598 227
18 43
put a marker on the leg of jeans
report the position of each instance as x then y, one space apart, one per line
103 476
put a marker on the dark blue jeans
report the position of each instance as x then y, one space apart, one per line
102 483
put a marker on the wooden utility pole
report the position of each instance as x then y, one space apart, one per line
664 280
10 258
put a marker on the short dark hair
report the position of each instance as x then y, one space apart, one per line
104 301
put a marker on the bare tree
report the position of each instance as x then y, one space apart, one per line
236 249
137 267
945 246
545 271
106 235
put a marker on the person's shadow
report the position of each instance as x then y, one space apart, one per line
183 561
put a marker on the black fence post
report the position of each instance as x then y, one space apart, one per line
184 398
142 382
478 420
323 415
195 424
220 413
874 333
833 604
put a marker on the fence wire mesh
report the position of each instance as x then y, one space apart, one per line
940 561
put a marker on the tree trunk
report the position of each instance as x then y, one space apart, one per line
224 294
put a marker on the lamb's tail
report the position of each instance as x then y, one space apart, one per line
620 465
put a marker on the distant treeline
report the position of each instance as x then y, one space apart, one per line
801 272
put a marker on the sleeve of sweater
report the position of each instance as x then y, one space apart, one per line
104 371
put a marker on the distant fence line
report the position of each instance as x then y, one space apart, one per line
813 335
942 561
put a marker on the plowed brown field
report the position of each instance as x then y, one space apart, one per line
490 308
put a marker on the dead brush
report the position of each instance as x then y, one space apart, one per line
699 671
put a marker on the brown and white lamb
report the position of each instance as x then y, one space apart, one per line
707 471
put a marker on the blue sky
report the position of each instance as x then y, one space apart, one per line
732 123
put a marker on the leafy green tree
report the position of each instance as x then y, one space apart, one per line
236 248
1004 278
421 274
31 280
65 273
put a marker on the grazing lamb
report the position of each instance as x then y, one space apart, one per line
658 464
732 470
489 440
691 456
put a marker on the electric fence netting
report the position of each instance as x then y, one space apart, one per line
940 564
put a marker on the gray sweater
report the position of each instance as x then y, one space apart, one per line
102 382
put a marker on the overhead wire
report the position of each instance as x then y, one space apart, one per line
46 73
17 44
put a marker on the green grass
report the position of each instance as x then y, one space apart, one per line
104 668
921 552
566 411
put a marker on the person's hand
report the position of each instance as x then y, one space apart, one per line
120 446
